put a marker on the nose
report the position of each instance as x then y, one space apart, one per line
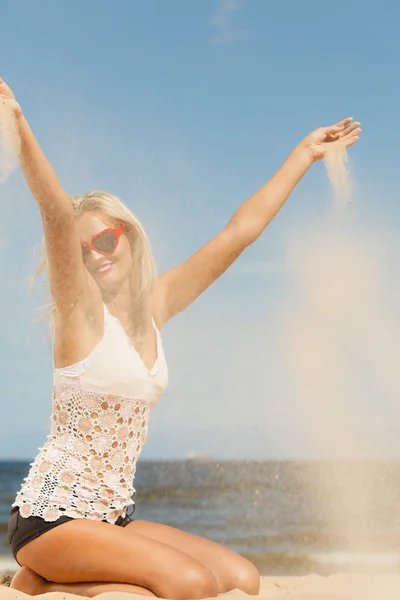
96 255
92 257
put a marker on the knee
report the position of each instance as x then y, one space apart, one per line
247 578
196 583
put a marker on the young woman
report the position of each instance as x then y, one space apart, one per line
69 528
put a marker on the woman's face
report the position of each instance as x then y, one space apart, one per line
109 271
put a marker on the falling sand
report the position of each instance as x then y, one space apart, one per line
339 320
9 142
336 163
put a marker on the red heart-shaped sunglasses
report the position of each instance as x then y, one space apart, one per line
104 242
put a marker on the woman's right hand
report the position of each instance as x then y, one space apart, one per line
7 98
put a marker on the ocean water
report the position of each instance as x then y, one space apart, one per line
287 517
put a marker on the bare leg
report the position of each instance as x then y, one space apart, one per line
230 569
25 580
85 551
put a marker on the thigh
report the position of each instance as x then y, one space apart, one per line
230 569
85 551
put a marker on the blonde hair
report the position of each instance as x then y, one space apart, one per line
143 268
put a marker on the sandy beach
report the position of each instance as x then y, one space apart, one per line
310 587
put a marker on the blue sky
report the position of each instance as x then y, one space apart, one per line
183 109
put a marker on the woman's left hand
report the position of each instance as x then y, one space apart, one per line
318 142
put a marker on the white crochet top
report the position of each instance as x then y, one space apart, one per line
101 408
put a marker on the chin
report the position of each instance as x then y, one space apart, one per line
110 283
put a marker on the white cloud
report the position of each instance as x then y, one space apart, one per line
225 32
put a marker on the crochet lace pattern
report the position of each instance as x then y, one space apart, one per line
86 467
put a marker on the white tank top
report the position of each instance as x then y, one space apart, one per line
101 408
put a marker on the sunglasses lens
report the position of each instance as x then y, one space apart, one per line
105 242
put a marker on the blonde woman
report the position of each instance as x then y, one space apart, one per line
70 527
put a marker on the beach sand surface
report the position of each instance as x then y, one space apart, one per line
310 587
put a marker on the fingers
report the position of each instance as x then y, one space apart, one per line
351 140
355 131
350 129
345 131
345 122
332 130
338 129
350 135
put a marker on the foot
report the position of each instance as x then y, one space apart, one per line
29 582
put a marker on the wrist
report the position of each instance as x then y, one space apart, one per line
304 154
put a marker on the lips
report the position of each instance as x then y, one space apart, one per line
104 268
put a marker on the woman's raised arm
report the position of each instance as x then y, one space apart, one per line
180 286
68 278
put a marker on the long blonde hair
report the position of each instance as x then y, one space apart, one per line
143 268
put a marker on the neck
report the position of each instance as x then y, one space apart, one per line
120 303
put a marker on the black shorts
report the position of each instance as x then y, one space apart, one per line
22 530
